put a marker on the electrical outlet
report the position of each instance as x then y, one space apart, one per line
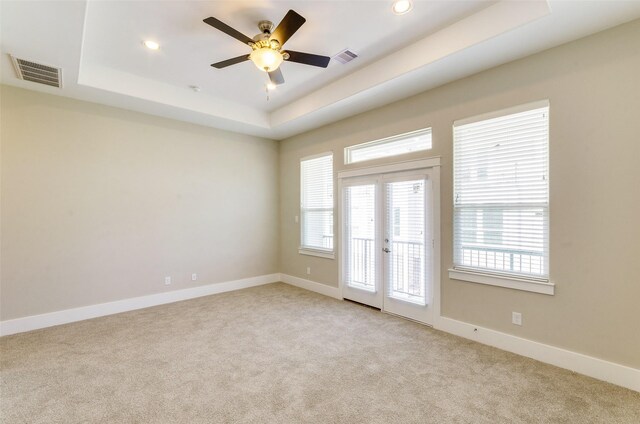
308 270
167 281
194 277
516 318
297 219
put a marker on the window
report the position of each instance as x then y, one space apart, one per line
391 146
501 197
396 222
316 205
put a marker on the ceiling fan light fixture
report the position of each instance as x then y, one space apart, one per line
266 59
267 53
151 45
400 7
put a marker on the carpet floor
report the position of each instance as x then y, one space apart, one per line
279 354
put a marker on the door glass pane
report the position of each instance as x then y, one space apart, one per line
360 230
405 240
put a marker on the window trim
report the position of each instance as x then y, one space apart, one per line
471 275
496 278
385 140
309 250
391 167
320 253
502 112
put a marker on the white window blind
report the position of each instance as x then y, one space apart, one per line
390 146
501 194
316 208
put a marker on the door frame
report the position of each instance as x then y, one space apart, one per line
433 164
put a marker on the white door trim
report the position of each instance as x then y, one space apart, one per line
430 164
392 167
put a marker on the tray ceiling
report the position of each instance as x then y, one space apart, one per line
99 46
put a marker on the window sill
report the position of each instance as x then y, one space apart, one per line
327 254
543 287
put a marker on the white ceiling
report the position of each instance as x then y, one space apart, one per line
99 46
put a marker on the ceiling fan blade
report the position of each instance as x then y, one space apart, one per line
217 24
287 27
276 77
230 62
308 59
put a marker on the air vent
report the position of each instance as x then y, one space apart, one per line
38 73
345 56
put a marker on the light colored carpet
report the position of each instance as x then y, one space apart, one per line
278 354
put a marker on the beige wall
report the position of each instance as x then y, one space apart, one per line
100 204
593 86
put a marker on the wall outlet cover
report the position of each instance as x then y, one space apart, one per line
516 318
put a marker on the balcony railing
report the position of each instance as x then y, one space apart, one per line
362 262
327 241
406 266
499 259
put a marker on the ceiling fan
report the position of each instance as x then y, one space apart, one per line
267 52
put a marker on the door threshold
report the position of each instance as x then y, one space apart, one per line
408 319
388 313
362 304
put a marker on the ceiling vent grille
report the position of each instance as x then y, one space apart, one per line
345 56
38 73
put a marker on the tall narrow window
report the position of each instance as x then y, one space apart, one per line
316 205
501 193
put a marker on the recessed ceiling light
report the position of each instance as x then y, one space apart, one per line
400 7
271 86
151 45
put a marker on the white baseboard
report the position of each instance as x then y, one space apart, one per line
35 322
593 367
311 286
587 365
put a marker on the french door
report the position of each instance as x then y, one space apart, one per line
388 242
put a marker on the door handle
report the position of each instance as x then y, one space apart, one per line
386 250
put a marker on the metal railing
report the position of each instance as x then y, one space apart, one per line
327 241
406 260
362 261
499 259
407 268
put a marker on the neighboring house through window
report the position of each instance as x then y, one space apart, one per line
501 194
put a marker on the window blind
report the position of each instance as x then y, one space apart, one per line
501 194
316 208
